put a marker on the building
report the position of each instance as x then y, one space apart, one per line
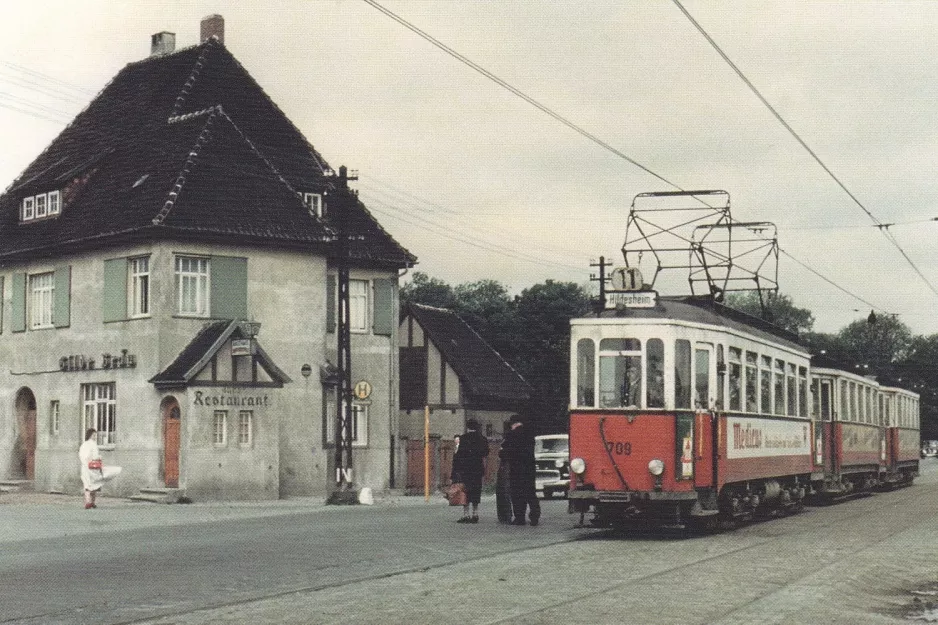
449 372
168 271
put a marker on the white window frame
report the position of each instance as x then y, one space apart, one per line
55 412
138 282
29 208
54 203
245 428
358 296
193 285
220 428
41 300
359 421
99 410
42 203
313 202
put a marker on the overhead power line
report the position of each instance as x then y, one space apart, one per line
884 228
462 59
560 118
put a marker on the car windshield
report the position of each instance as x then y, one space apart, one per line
551 446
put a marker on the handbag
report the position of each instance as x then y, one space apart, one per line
456 494
95 464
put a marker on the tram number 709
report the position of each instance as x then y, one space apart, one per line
619 449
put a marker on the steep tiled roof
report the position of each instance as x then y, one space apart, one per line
482 370
183 145
203 346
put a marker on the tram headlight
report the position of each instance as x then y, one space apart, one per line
656 467
578 466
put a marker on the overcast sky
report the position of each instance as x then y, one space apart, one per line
480 184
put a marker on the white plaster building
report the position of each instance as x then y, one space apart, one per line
167 271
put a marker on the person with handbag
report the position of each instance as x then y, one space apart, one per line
90 457
93 472
469 467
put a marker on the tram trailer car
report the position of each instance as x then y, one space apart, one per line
686 412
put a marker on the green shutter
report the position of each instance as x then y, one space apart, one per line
384 307
115 289
18 308
229 296
330 303
61 311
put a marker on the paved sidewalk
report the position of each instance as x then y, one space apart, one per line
31 515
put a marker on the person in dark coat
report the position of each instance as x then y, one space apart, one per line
519 446
469 467
503 487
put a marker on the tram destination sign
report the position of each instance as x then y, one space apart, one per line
631 299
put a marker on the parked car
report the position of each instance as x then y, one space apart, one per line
552 459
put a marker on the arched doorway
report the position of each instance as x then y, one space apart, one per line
172 422
24 449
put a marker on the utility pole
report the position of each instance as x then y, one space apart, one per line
602 264
344 477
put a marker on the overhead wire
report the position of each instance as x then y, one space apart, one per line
884 228
566 122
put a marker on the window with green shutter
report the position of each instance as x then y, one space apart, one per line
18 304
114 300
62 303
383 322
229 287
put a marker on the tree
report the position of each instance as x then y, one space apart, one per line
422 289
779 309
875 347
486 306
542 345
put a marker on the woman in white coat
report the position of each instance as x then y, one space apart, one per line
93 479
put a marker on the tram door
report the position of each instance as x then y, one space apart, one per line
824 426
705 401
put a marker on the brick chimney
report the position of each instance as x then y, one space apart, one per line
162 43
213 26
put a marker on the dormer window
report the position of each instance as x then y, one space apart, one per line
313 202
41 206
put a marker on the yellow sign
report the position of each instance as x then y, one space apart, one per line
362 390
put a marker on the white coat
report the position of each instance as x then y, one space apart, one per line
93 479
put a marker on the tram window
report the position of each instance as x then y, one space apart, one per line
886 402
721 378
803 391
825 401
654 358
752 401
682 374
879 409
779 387
853 402
844 401
868 402
702 378
620 373
736 378
585 372
816 398
792 381
765 385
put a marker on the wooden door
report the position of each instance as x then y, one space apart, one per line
171 432
29 442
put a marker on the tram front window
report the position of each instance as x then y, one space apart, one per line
620 373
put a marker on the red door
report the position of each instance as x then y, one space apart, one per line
29 436
171 423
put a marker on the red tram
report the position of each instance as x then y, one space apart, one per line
685 412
